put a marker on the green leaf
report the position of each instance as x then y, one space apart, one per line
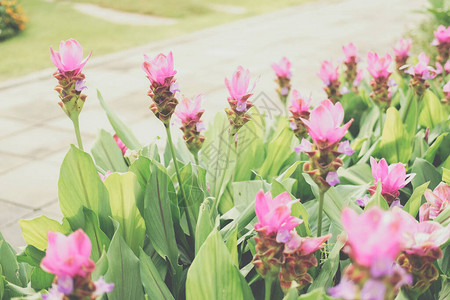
396 142
141 168
408 112
425 172
431 152
123 270
279 149
413 204
107 154
232 247
31 255
432 112
317 294
377 199
204 224
8 263
446 175
445 291
122 131
35 231
101 266
153 284
124 191
213 275
358 174
329 268
98 238
194 194
79 185
41 279
158 216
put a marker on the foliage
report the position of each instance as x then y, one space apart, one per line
12 19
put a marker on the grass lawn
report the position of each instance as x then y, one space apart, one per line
51 22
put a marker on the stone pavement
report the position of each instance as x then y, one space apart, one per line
35 134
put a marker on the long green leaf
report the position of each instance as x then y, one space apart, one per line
413 204
433 111
35 231
107 154
153 284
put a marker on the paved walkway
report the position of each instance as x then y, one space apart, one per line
35 134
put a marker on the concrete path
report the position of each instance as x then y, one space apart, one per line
35 134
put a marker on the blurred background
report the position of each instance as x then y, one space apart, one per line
209 39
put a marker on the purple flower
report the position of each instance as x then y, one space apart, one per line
79 85
363 201
381 266
174 87
283 236
241 106
344 147
293 126
373 290
396 203
102 287
53 294
332 178
284 91
200 126
305 146
346 290
65 284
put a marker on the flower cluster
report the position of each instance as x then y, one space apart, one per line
437 201
283 73
378 67
402 53
420 73
353 76
190 113
324 127
442 43
163 86
280 251
69 61
300 109
68 258
329 75
240 91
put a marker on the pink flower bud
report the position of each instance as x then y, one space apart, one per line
120 144
442 35
159 68
238 87
69 57
422 70
446 89
283 68
437 202
189 110
68 255
275 214
378 66
299 103
402 48
350 52
328 73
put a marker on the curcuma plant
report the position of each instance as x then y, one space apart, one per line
346 200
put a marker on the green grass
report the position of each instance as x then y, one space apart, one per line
51 22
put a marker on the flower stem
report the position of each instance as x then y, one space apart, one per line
76 126
381 120
177 170
268 285
196 157
319 220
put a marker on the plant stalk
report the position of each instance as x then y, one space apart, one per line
177 170
76 126
381 120
268 287
196 158
319 220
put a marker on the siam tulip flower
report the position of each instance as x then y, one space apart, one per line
190 113
392 178
300 109
402 52
374 240
69 58
283 72
350 52
324 127
358 78
352 75
378 67
68 255
446 90
240 90
329 75
160 71
447 67
421 70
437 201
102 287
69 61
442 43
120 144
422 243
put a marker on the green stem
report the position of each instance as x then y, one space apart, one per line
319 220
196 158
177 170
381 120
268 285
76 126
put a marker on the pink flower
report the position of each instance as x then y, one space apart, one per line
373 236
304 245
447 66
120 144
299 103
324 124
283 68
68 255
446 89
275 214
350 53
160 68
359 77
305 146
442 35
392 177
437 201
378 66
332 178
103 177
239 87
69 57
402 48
422 69
189 110
328 73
